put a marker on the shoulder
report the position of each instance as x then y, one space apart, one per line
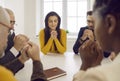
41 31
84 27
6 75
62 31
104 72
89 75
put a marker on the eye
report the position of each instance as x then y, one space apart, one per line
12 22
55 20
50 21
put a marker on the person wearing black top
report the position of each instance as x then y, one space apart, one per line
80 40
82 29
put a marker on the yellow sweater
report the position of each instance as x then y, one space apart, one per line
6 75
49 47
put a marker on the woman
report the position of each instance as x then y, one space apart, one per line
52 38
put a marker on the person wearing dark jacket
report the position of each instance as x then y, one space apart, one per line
82 29
14 46
31 50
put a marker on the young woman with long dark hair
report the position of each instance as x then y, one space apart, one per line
52 38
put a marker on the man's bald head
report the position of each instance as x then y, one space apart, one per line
4 29
4 17
12 17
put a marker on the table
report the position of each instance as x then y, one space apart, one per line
68 62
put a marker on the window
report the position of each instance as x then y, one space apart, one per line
53 5
76 14
72 13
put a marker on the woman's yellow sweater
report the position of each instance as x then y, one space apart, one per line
50 47
6 75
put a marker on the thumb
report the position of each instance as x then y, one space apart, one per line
30 43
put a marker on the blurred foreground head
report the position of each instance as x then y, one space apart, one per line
106 15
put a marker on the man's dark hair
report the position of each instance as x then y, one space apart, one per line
89 13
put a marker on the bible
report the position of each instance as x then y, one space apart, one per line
54 72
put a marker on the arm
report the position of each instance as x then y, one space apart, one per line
77 43
19 42
44 48
10 60
15 65
38 74
33 53
61 45
9 56
91 54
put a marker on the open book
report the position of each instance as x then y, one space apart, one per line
54 73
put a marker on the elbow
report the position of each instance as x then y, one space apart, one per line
62 51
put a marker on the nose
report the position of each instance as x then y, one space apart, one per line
53 23
91 24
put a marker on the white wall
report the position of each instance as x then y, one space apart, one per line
30 18
19 13
91 2
25 15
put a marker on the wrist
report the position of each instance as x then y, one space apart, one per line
36 59
17 48
21 59
83 40
85 66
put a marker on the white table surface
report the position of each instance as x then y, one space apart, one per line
68 62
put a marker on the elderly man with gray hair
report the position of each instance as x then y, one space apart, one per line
5 75
14 46
31 51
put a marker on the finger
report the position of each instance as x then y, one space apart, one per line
25 48
30 43
86 43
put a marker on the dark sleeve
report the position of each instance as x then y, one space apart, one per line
15 65
7 58
106 54
10 42
77 43
38 74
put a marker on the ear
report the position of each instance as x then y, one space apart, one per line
111 23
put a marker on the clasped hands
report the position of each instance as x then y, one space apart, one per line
90 51
27 48
54 34
87 34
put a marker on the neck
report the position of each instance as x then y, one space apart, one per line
116 46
